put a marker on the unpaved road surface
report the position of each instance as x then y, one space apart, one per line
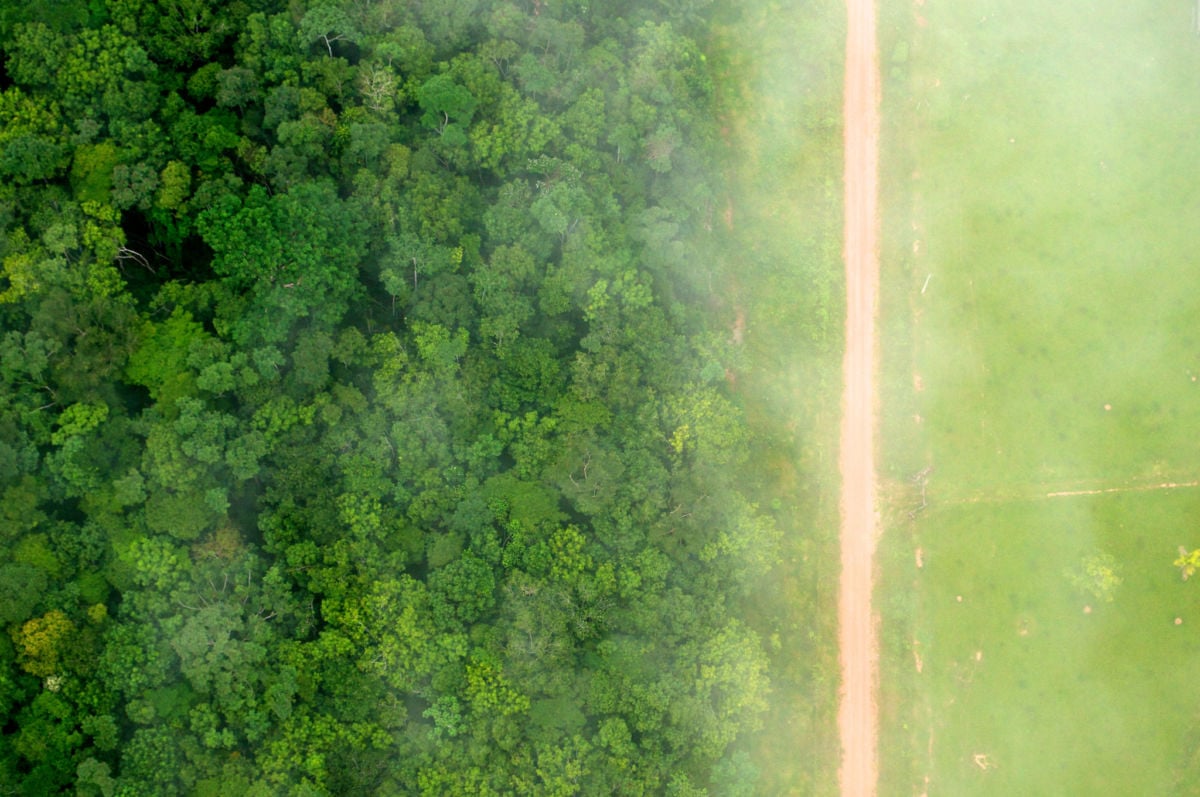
857 640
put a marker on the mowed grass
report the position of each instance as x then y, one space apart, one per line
1039 185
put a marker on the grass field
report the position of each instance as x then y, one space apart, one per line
1040 188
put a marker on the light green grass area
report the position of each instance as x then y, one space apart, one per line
1055 208
1042 157
1059 700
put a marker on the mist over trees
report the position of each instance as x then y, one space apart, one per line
363 428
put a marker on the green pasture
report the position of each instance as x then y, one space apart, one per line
1059 700
1039 185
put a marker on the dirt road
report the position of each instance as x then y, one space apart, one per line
857 641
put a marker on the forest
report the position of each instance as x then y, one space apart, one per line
366 420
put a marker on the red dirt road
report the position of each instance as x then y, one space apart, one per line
857 640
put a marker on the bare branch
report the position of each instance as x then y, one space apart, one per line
125 253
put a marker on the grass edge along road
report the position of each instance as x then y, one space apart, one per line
779 68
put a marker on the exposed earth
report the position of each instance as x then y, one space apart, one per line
857 638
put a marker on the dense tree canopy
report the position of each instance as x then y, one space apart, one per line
361 428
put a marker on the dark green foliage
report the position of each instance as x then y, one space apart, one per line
291 256
351 440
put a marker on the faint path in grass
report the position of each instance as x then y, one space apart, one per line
1037 492
908 497
857 637
1137 488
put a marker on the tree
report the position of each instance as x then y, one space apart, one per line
32 138
296 253
463 591
393 634
150 764
378 86
702 421
448 108
182 32
42 642
203 140
1097 575
21 588
267 46
327 22
1187 562
501 288
133 186
237 87
96 72
94 778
